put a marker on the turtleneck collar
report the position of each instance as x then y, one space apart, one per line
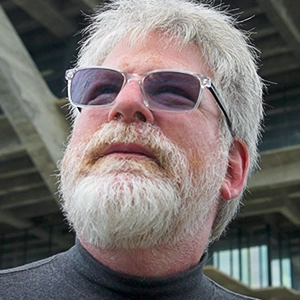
182 286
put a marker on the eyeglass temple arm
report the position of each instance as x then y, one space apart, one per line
219 101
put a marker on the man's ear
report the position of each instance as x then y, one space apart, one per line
238 165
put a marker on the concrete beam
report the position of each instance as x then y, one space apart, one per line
285 65
284 16
36 210
92 3
264 33
18 166
23 198
280 171
10 143
9 218
20 183
269 53
295 92
265 206
29 105
279 168
44 13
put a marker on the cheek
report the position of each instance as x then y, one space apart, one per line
189 132
195 136
86 125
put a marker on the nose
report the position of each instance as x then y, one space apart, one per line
129 105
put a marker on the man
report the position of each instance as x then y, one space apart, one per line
167 106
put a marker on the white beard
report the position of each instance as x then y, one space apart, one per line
137 203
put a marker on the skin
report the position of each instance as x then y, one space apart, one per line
198 130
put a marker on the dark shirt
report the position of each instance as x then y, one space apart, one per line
75 275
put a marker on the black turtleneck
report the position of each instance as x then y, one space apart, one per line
76 275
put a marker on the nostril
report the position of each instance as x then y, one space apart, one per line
138 115
118 116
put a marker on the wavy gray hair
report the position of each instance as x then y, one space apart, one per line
226 49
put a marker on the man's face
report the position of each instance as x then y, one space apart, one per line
132 177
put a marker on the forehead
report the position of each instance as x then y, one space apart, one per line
155 52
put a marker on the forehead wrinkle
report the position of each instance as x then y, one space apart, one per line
142 62
145 62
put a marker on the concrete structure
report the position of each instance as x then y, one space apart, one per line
37 43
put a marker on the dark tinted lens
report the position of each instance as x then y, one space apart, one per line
96 86
172 90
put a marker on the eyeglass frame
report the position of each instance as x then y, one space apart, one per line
205 82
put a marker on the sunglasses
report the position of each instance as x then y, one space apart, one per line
163 90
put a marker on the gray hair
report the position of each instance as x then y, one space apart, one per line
226 50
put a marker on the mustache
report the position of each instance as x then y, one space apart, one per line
144 134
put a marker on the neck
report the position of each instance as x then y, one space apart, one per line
156 262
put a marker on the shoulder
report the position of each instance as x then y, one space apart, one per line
220 292
25 270
25 281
